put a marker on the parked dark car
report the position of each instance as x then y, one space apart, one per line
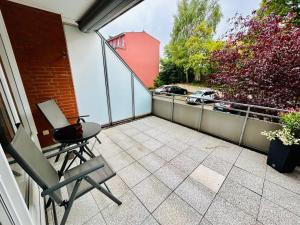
230 108
254 112
176 90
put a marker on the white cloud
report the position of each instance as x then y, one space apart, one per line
156 18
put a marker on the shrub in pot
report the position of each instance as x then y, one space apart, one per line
284 150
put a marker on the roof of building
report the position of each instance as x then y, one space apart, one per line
124 33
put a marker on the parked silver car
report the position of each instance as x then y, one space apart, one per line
162 89
201 96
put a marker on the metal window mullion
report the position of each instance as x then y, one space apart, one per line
201 115
106 81
133 96
172 109
122 61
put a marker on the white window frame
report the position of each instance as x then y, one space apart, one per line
36 203
11 199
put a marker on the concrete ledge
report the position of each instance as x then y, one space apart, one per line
223 125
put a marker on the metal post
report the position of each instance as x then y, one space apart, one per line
106 81
172 115
152 102
132 96
244 125
200 119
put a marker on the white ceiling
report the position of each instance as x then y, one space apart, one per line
71 10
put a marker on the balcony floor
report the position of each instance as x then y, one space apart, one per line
169 174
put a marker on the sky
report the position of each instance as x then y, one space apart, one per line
156 17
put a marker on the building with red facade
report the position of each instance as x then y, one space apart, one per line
141 52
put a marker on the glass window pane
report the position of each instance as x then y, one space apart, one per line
119 81
142 99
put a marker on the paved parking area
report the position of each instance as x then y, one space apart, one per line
169 174
181 100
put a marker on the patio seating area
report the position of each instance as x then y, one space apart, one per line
170 174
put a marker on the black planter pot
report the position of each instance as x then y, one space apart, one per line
283 158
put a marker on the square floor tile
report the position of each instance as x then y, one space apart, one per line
184 163
247 179
177 145
152 162
166 153
174 211
223 213
241 197
133 174
170 176
151 192
229 153
195 154
150 221
140 125
215 163
126 144
272 214
138 151
153 132
117 188
118 137
120 161
195 194
131 131
152 144
290 181
208 178
109 150
82 210
131 212
141 138
96 220
252 162
205 222
164 137
282 197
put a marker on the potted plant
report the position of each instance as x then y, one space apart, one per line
284 150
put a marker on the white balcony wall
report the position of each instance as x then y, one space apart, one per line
85 55
120 89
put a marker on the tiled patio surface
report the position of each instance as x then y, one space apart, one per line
169 174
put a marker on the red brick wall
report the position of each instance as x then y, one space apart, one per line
39 45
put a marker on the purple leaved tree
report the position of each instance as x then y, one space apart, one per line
260 63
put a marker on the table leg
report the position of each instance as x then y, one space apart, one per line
92 155
81 153
60 149
62 169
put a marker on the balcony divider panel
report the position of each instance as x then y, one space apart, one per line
87 65
142 99
119 83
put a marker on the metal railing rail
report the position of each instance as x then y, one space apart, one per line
173 96
248 113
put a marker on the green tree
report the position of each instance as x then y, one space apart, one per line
193 17
199 48
281 8
170 73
